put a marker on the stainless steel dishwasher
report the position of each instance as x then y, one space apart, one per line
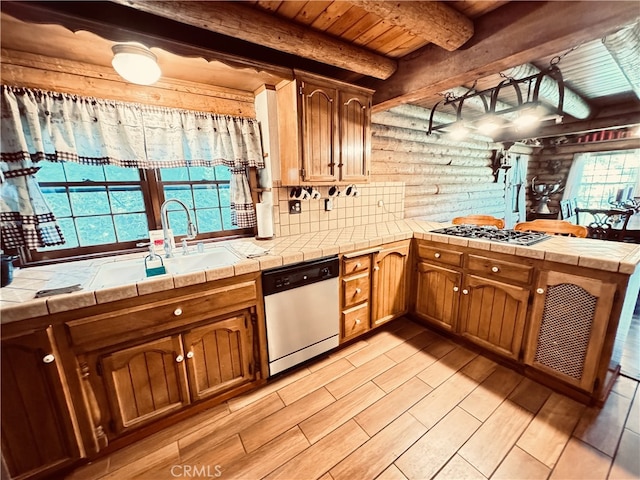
301 311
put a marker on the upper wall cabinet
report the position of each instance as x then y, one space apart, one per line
325 131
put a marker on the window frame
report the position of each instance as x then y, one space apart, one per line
153 197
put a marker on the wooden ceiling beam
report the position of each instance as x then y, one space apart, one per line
243 22
516 33
436 22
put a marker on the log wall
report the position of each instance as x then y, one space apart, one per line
552 164
443 178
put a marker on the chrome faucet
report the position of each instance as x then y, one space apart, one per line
164 219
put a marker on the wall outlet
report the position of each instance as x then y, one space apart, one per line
328 204
380 203
295 206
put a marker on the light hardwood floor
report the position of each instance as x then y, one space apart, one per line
403 403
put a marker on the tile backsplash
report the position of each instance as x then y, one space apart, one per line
346 212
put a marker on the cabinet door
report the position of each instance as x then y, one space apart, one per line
145 382
220 356
37 430
355 126
389 298
438 295
569 318
493 314
320 144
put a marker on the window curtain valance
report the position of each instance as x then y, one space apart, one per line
40 125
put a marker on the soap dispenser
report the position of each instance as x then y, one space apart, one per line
153 263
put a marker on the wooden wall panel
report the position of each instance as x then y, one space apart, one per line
36 71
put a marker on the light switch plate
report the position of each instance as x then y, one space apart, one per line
295 206
328 204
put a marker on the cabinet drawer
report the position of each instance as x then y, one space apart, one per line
115 326
355 264
500 269
355 320
355 289
450 257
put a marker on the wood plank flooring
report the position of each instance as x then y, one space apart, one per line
404 403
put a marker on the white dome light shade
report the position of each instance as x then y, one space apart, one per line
458 131
528 118
489 125
135 63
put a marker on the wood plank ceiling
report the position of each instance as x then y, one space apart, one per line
409 52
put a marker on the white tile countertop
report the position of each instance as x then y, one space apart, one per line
18 302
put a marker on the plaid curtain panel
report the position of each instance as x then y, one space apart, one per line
39 125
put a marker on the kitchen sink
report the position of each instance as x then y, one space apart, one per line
210 258
132 271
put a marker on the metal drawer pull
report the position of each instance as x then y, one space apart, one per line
465 291
190 354
495 269
358 291
540 291
179 358
177 312
437 255
376 268
48 358
455 289
358 265
358 321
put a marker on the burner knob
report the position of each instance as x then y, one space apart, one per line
437 255
495 269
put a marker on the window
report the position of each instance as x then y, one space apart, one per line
604 174
107 208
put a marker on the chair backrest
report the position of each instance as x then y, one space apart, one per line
554 227
568 210
603 223
479 220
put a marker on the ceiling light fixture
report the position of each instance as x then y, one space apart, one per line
527 112
135 63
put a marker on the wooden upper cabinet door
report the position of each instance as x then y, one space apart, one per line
355 136
493 314
390 283
438 295
569 319
37 430
320 143
220 356
145 382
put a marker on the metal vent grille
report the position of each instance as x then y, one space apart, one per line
566 328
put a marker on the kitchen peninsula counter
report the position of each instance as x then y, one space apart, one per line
18 302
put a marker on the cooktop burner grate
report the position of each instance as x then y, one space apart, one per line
493 234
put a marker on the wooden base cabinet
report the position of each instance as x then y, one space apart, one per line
144 382
355 287
158 377
480 297
220 356
493 315
390 283
37 428
569 320
438 295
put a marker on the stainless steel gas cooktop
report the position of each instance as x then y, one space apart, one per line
493 234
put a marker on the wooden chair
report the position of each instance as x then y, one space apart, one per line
479 220
605 224
568 210
553 227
